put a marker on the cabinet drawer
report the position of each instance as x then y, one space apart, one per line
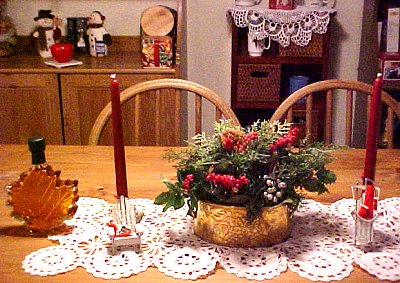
15 81
258 83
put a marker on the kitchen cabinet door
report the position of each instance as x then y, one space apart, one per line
84 96
29 106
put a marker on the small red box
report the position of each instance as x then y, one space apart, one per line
281 5
157 51
389 64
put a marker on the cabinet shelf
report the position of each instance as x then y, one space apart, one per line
257 105
270 73
126 63
246 59
391 85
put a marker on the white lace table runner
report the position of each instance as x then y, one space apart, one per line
321 246
283 26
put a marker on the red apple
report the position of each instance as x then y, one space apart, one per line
62 52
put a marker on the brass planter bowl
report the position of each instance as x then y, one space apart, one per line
227 225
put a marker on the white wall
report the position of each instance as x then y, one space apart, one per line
345 50
208 32
209 48
122 19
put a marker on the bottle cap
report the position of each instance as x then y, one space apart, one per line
37 146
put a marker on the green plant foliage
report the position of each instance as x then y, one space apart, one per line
254 168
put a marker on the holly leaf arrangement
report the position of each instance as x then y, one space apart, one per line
263 165
42 199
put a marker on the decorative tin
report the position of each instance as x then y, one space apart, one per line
157 51
282 4
227 225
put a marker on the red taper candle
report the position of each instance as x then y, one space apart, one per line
366 211
119 150
373 130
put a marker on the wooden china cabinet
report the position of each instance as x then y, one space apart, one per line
62 104
260 84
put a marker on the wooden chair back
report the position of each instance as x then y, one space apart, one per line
161 88
330 88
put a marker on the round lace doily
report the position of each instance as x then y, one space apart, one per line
257 264
282 26
321 247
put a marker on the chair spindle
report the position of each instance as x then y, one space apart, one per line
289 116
309 107
390 127
198 111
328 117
157 121
349 116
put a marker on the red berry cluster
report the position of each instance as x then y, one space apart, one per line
237 141
231 139
251 136
187 182
228 182
285 140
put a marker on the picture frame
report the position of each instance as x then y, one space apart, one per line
389 16
390 66
76 33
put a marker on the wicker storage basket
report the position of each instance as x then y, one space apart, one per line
258 83
313 49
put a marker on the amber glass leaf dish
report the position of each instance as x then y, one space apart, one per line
42 200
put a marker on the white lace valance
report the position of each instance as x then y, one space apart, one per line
282 26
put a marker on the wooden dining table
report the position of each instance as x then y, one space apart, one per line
93 167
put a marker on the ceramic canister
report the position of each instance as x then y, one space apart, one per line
297 82
247 2
319 3
255 46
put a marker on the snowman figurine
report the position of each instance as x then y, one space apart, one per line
46 33
99 38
